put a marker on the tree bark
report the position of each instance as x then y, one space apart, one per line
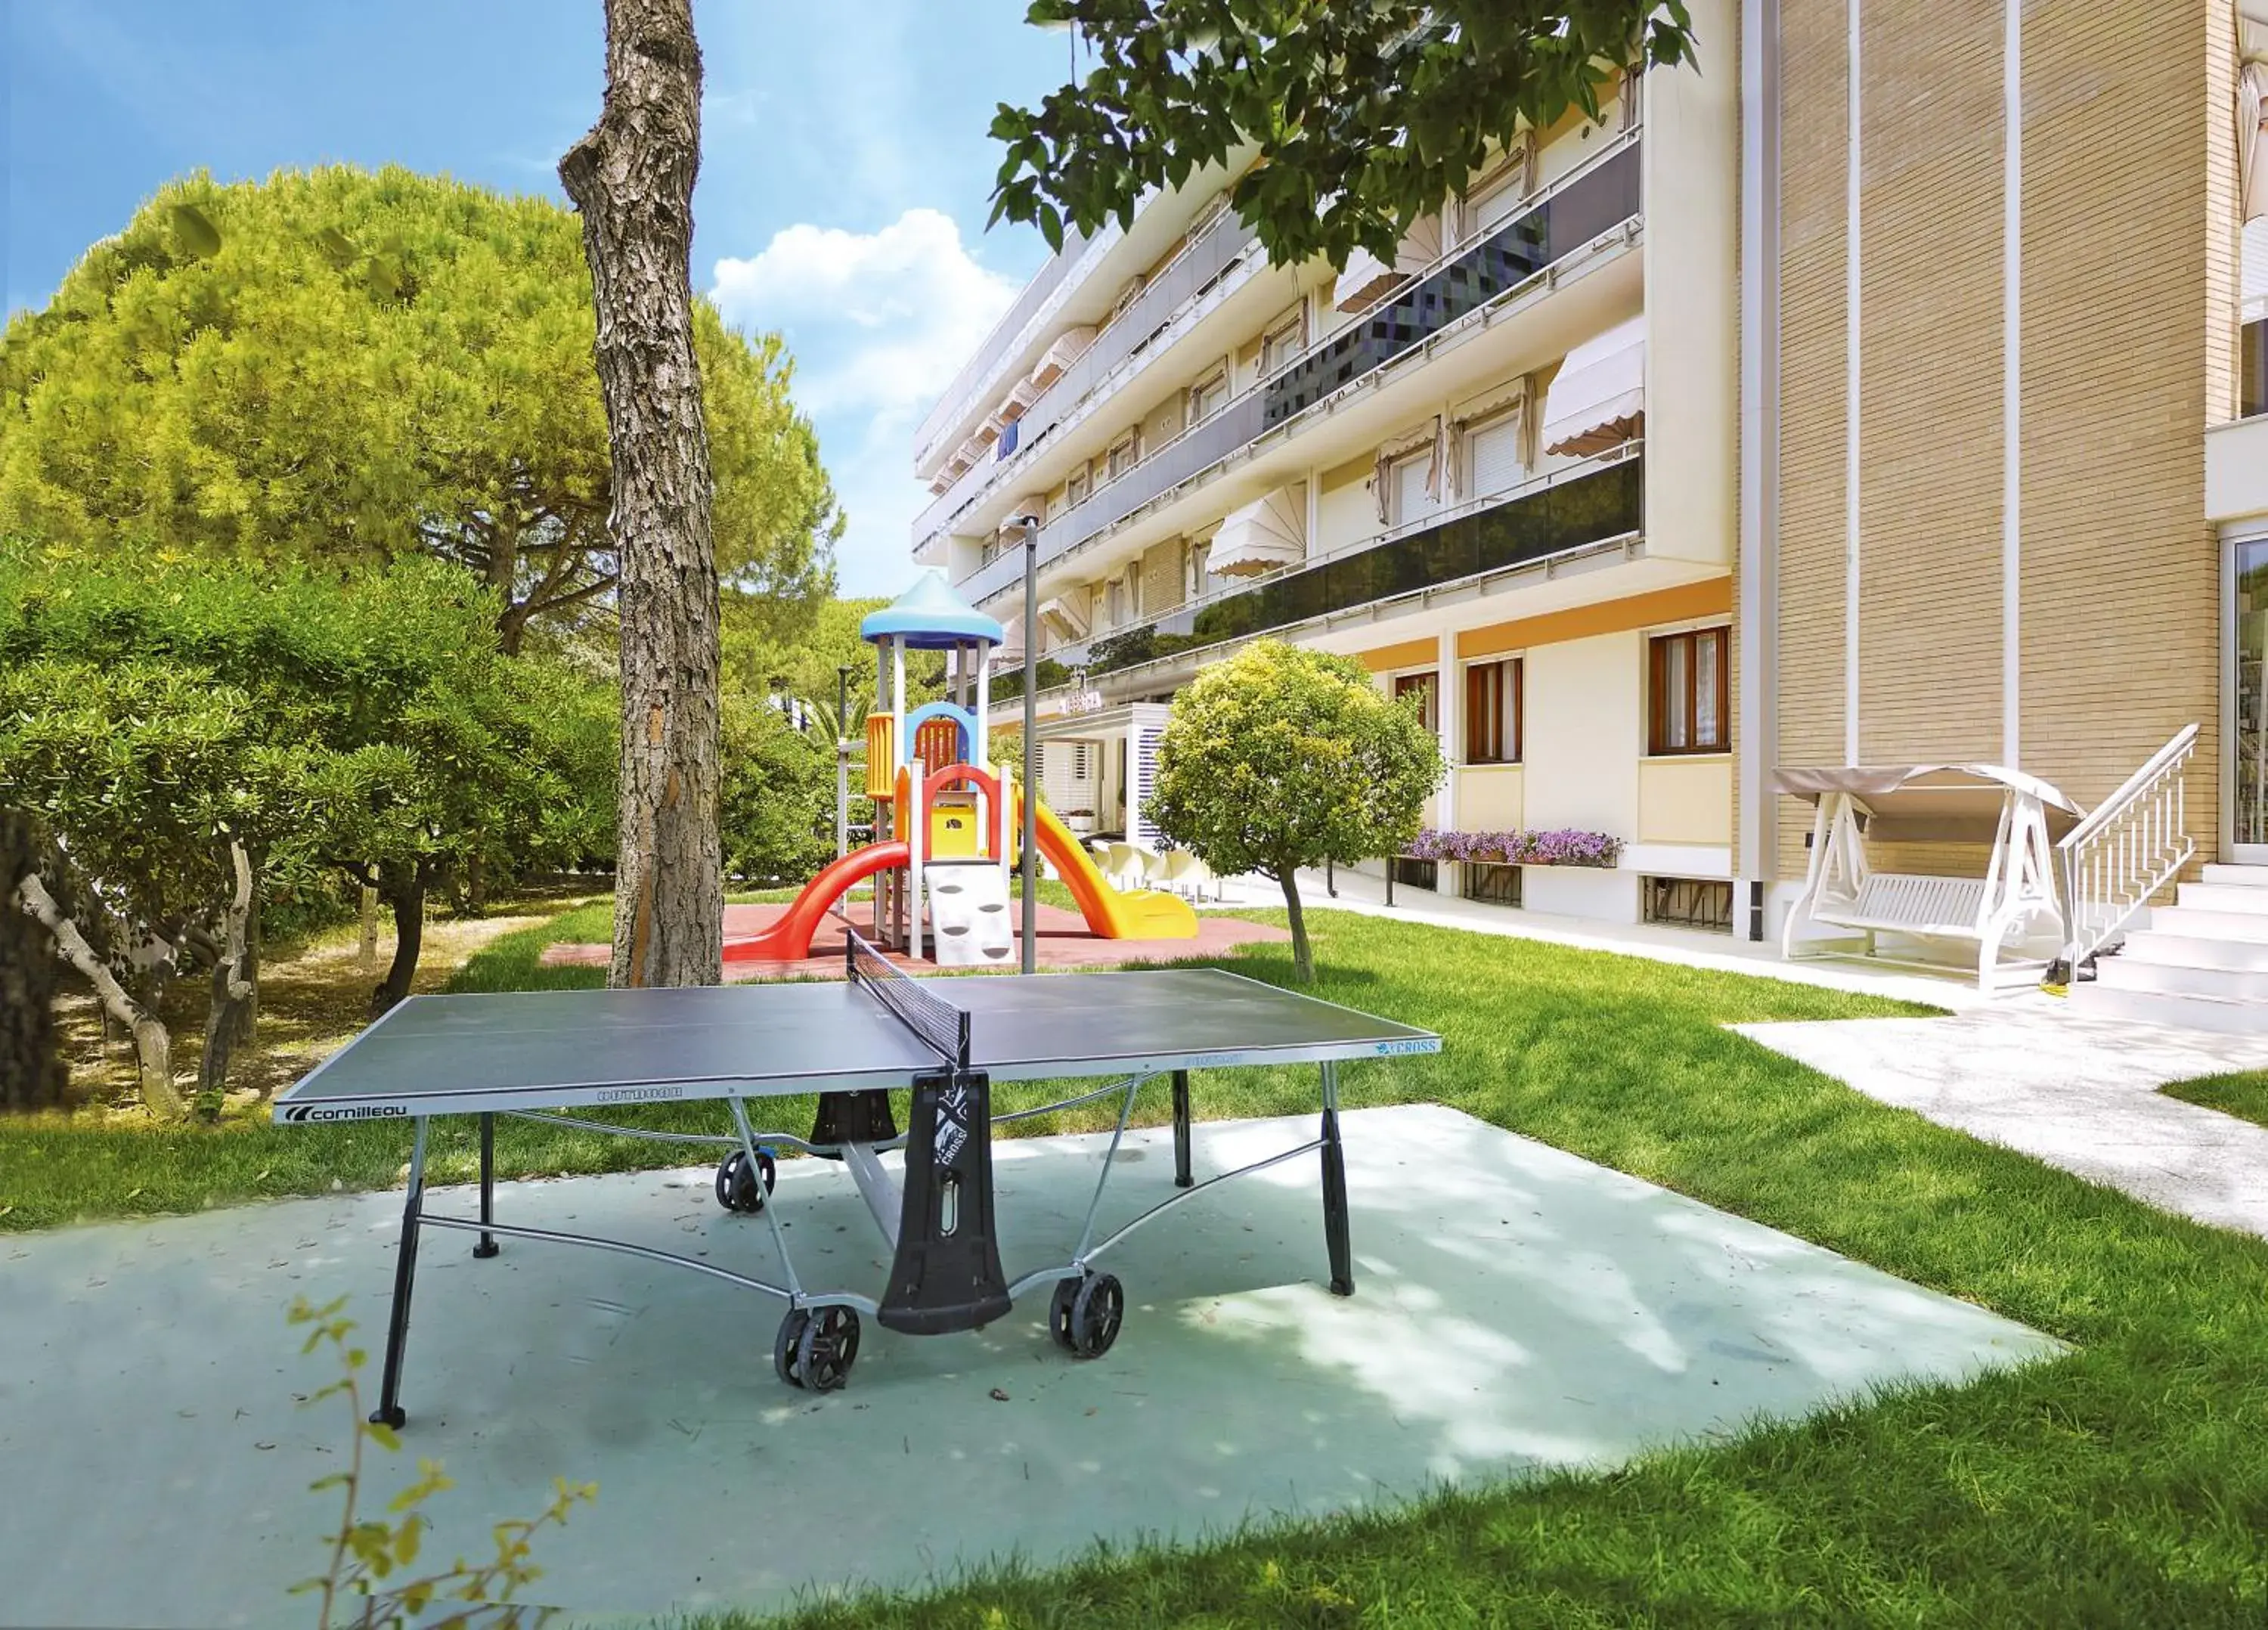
405 894
153 1047
1303 961
232 993
631 178
31 1076
366 952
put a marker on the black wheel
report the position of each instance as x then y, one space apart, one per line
786 1343
397 1417
1096 1313
824 1352
1059 1307
737 1190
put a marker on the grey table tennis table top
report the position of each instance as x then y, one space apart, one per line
442 1055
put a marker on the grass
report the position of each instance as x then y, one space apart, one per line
2244 1095
2124 1484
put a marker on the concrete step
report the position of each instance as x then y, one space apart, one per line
2159 946
2232 984
2224 897
2244 876
2196 923
2196 1012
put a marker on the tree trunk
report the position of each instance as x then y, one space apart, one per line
31 1076
632 179
1303 962
406 895
153 1048
366 953
232 995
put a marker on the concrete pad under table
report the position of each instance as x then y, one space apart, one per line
1516 1308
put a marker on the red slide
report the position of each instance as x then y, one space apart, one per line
789 939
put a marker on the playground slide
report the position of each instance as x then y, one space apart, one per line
789 939
1146 914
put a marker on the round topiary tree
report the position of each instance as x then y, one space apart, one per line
1283 757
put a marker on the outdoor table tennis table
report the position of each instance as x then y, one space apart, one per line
538 1055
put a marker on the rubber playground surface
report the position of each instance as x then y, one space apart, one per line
1065 941
1516 1308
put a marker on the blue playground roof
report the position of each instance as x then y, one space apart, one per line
930 617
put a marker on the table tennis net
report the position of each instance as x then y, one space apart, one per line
939 1025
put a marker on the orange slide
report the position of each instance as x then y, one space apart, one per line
1146 914
789 939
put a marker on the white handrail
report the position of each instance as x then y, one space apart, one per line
2132 845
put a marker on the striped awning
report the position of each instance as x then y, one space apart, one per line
1268 533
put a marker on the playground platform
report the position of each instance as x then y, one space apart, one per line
1065 941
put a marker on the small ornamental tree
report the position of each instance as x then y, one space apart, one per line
1283 757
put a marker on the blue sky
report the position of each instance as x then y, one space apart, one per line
845 171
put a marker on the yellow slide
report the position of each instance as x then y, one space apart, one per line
1145 914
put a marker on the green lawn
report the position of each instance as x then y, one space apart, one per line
2126 1484
2244 1096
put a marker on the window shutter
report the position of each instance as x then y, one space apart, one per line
1409 501
1496 466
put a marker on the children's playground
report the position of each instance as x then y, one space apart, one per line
938 877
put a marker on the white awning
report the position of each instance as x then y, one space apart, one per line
1272 532
1599 397
1366 277
1020 396
1069 347
2252 139
1069 622
1932 803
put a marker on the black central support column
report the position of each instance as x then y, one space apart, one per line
946 1275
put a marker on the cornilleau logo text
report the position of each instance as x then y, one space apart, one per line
358 1113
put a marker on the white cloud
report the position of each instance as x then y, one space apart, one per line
878 323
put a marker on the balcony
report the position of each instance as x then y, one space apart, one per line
1553 515
1579 210
1596 201
1201 267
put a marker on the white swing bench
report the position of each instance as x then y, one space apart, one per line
2003 921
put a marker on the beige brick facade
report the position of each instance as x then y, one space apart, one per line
2125 254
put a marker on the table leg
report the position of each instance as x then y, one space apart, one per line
389 1411
1335 1195
487 1246
1181 1179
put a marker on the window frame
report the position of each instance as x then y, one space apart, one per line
1215 380
1658 706
1510 673
1394 467
1075 490
1429 681
1130 445
1293 331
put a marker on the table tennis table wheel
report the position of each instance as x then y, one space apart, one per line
1085 1313
814 1347
736 1190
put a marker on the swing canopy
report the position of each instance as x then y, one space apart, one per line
1933 803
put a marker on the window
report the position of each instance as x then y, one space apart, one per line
1075 494
1114 602
1689 902
1199 553
1208 395
1493 460
1490 884
1422 687
1283 343
1685 692
1411 501
1119 460
1492 712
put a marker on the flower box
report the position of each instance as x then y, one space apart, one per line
1562 847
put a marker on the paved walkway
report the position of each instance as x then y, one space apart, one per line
2075 1090
1516 1308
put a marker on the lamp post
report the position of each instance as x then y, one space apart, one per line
1031 526
842 762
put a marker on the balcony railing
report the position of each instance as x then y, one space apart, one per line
1192 274
1597 200
1037 293
1575 212
1553 515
